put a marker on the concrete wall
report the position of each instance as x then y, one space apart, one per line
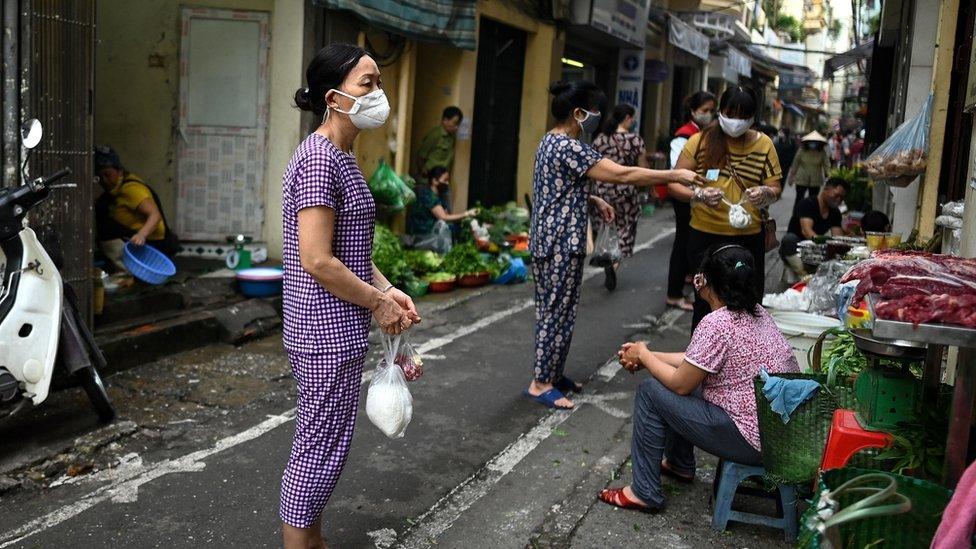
137 57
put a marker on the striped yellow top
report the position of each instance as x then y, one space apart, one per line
756 163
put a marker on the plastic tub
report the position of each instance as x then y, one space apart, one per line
474 280
260 282
801 331
147 263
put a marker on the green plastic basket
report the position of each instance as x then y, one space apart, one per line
907 530
792 452
885 399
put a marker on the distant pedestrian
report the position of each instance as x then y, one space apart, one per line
810 166
743 177
786 147
619 143
558 230
331 287
700 113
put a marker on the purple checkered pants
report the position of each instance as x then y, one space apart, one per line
328 398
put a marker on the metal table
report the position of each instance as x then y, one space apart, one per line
937 337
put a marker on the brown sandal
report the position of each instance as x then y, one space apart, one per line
617 498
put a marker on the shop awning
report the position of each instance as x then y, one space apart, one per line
849 57
684 36
451 22
794 109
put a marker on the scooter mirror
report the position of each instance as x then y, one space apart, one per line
31 133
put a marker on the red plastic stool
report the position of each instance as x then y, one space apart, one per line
847 437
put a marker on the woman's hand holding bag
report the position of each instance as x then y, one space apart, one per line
390 316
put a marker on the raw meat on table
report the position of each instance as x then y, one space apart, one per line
918 287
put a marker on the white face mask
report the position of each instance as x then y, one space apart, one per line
369 111
734 127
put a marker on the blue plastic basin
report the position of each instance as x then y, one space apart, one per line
147 263
260 282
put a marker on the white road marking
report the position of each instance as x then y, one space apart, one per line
124 482
442 515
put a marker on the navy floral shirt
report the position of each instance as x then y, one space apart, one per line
560 190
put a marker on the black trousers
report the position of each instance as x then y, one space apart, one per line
801 192
678 266
699 242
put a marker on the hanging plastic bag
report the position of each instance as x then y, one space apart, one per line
406 190
385 185
606 252
439 240
388 402
408 359
904 155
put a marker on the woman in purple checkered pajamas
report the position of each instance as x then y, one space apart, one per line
331 286
563 166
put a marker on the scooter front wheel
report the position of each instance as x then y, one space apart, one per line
95 389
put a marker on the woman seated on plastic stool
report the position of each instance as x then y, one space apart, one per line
703 397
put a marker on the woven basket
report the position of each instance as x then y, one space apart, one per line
908 530
792 452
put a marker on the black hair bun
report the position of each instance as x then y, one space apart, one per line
303 99
559 87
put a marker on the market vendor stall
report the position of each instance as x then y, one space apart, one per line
928 299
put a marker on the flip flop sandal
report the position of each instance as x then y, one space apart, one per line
667 471
547 399
617 498
567 385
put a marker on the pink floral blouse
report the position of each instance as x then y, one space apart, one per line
732 347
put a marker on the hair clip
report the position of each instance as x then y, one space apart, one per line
739 264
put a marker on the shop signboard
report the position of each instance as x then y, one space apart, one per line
684 36
623 19
630 79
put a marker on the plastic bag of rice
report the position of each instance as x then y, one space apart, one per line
389 404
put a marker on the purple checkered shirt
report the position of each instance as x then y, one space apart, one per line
317 322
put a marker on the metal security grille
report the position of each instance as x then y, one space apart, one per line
57 53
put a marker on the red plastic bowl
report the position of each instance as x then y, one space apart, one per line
474 280
441 287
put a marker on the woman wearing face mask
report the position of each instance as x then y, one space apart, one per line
429 209
700 107
704 396
619 143
810 167
331 287
560 195
743 177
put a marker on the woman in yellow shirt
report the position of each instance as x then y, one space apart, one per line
743 176
127 210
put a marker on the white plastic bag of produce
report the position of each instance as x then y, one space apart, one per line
389 404
903 156
607 249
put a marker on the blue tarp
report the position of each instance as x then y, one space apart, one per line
448 21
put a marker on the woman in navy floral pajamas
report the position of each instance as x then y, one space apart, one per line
560 195
331 287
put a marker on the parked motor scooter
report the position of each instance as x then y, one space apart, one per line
40 325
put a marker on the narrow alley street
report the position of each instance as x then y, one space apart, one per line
196 455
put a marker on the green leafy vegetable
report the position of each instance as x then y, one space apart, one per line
388 255
464 259
423 261
440 277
